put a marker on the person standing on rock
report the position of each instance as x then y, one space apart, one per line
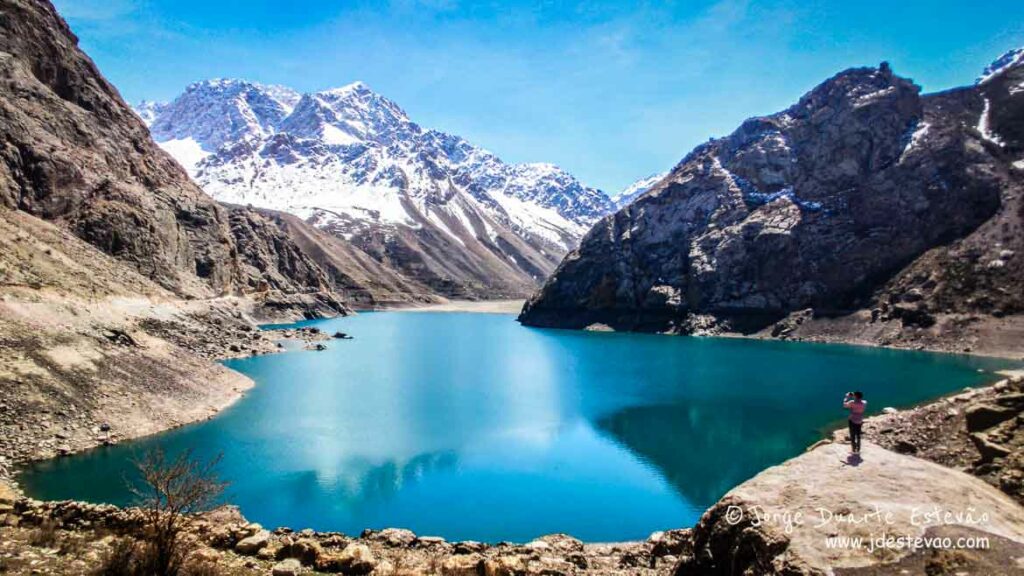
856 404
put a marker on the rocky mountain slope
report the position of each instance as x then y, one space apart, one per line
863 196
74 153
441 211
275 246
77 366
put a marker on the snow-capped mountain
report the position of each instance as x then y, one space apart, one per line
636 189
351 161
213 113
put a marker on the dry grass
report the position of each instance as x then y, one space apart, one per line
45 536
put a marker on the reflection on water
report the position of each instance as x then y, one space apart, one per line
734 441
357 482
472 427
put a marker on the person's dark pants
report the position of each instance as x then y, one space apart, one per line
855 436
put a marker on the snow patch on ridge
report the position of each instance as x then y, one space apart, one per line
186 151
920 131
1001 64
337 137
983 126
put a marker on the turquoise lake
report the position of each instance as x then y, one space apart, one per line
470 426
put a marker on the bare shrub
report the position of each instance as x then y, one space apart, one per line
45 536
119 560
169 490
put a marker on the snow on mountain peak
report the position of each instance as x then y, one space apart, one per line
626 196
355 155
349 115
542 169
357 86
1009 59
215 112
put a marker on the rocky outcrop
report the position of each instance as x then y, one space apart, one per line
864 195
84 535
979 431
783 520
269 259
278 273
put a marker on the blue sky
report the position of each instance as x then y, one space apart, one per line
611 91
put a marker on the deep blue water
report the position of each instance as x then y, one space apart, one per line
469 426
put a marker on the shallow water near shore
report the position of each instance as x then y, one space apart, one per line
470 426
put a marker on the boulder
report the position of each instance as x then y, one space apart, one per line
307 551
462 565
354 559
913 315
428 541
989 450
253 544
670 542
904 446
504 566
1015 401
777 522
469 546
634 559
288 567
269 552
984 416
550 566
7 497
395 537
561 543
538 546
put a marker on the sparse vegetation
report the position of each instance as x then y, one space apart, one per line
45 536
169 490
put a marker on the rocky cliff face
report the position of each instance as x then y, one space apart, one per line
72 152
863 195
982 272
